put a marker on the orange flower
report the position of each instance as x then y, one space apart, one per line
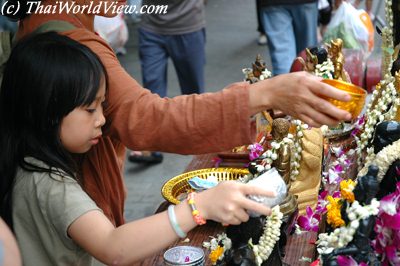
346 189
216 254
334 218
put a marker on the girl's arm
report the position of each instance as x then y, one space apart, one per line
134 241
10 254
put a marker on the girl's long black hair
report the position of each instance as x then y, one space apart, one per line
46 77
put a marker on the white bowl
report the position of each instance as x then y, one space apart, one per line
184 255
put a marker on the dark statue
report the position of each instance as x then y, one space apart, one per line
241 253
360 247
386 133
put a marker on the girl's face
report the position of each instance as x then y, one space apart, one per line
81 128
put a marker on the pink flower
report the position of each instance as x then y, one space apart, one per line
357 126
255 151
347 162
348 261
387 229
389 203
392 255
338 151
336 194
322 202
334 174
391 221
310 222
383 236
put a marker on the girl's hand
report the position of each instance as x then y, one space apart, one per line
227 202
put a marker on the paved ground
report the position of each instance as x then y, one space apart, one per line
231 45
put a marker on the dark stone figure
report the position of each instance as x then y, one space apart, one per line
241 253
360 247
367 186
386 133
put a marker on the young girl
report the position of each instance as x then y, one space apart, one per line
51 111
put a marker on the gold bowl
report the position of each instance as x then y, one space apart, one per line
358 95
178 185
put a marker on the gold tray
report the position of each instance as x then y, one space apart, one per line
179 184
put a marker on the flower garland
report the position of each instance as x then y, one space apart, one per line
340 237
325 69
271 234
296 148
376 109
218 246
272 154
387 39
387 94
383 159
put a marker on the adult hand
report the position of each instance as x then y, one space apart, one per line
299 95
227 202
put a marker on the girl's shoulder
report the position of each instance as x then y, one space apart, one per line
39 171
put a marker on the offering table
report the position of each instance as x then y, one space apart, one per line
297 247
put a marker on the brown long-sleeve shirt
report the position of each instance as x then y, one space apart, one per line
140 120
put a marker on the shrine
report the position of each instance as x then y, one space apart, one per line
341 182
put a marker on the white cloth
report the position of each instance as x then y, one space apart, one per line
113 30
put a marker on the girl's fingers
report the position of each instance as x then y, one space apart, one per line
256 207
253 190
233 221
242 215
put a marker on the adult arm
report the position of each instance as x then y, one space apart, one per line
185 124
207 122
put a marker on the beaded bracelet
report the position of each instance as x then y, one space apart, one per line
195 212
172 219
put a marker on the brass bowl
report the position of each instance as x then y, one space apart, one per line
179 184
358 95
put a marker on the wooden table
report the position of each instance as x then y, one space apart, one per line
298 246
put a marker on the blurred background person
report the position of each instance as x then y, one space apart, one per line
179 34
324 16
262 38
290 26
